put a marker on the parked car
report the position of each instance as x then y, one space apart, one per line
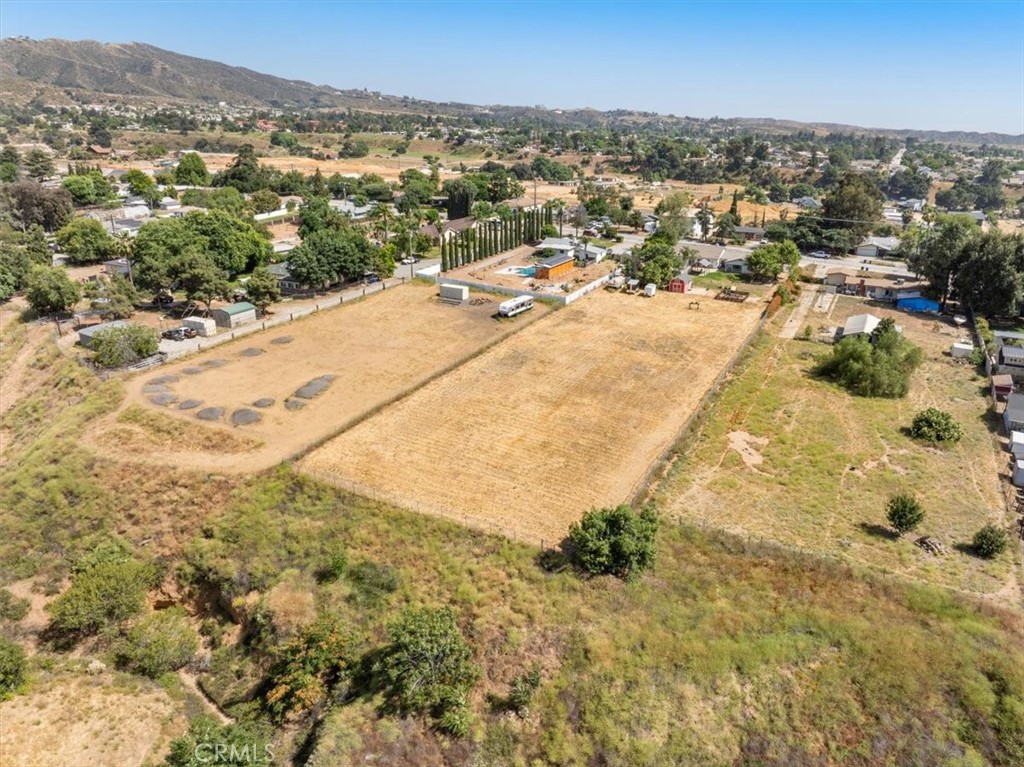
408 260
179 334
820 254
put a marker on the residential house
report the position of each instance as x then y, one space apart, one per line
590 254
169 203
734 265
282 273
749 233
562 246
893 216
878 247
873 285
129 225
859 325
117 266
912 204
100 151
357 212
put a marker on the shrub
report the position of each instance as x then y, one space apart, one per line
904 513
879 367
11 607
161 642
984 331
334 567
107 592
307 668
615 541
243 743
520 695
990 541
372 582
12 667
427 667
936 425
117 347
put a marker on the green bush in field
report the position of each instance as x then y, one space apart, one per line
936 425
161 642
904 513
615 541
242 743
105 593
372 582
990 541
12 667
334 567
877 367
427 667
12 608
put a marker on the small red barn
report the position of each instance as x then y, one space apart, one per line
681 283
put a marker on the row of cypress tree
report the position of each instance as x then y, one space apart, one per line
491 237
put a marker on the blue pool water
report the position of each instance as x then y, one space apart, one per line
526 271
918 305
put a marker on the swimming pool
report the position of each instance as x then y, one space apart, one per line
918 304
525 271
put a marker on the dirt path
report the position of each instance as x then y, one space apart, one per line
190 681
796 319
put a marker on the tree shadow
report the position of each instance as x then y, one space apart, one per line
878 531
555 560
992 420
969 550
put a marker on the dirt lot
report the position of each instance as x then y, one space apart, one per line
374 349
562 417
495 271
788 458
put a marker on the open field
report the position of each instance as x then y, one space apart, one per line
796 460
375 349
560 418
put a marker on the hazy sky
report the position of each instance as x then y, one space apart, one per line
926 65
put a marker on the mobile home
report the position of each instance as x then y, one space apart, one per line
515 306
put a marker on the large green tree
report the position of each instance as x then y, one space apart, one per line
85 241
48 289
28 203
615 541
235 245
942 251
119 346
191 170
263 288
990 277
769 261
199 276
855 205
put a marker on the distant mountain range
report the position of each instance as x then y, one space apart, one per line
85 71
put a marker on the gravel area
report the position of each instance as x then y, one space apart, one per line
210 413
294 404
189 404
315 387
244 416
282 340
252 351
264 402
163 399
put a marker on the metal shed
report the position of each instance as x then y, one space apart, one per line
87 334
233 315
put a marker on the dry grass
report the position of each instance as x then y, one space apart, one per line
71 719
376 349
824 462
560 418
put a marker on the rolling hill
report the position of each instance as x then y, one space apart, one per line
85 71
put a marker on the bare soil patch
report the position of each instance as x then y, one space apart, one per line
565 416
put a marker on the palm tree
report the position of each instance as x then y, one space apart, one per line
558 205
383 218
124 247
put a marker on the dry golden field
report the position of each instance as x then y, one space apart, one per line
564 416
375 349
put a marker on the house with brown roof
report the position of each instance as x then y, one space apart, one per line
102 151
874 285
